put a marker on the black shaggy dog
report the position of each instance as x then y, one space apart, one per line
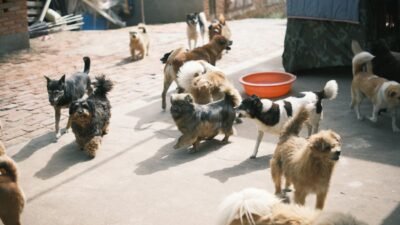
385 63
202 122
63 92
90 117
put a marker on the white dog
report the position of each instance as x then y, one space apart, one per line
196 27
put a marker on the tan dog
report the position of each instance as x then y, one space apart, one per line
139 41
219 27
12 199
306 163
205 82
258 207
210 53
382 93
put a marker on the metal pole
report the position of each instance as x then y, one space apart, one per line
142 9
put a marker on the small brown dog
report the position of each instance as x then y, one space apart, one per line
210 52
382 93
139 41
12 199
306 163
219 27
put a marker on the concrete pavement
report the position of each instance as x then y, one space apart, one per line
138 178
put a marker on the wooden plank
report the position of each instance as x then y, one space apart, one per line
45 8
34 4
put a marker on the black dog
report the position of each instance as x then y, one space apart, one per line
63 92
385 64
90 117
202 122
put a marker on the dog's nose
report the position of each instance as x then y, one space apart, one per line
230 42
338 153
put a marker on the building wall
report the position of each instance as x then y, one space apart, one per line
13 26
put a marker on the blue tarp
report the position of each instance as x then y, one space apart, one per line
331 10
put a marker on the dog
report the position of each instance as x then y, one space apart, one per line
219 27
90 117
253 206
205 82
271 116
12 199
196 28
385 63
202 122
382 93
210 53
308 164
139 41
63 92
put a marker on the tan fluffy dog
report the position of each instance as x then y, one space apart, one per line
382 93
12 199
139 41
219 27
210 53
306 163
205 82
258 207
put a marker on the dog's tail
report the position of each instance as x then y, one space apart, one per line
142 27
330 91
246 204
86 61
188 71
294 125
359 60
355 47
8 167
103 86
169 56
232 95
202 21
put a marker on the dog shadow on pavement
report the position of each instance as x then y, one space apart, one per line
66 157
168 157
245 167
34 145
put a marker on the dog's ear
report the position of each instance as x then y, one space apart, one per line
210 27
189 98
62 80
320 144
221 19
48 79
392 94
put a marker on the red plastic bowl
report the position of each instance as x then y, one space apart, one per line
267 84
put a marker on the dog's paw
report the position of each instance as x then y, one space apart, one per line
373 119
65 131
360 118
252 157
176 146
396 129
58 135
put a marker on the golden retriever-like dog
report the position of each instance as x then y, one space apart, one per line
12 199
253 206
306 163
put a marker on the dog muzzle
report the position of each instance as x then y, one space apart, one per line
336 155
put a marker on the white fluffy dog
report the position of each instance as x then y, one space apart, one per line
258 207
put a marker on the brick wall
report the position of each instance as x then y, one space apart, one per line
13 25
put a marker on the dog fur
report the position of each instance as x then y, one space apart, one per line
306 163
382 93
139 41
210 53
12 199
196 28
204 82
253 206
219 27
63 92
90 117
202 122
271 116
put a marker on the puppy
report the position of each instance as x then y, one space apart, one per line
202 122
385 63
270 116
205 82
63 92
382 93
306 163
196 27
139 41
210 53
253 206
90 117
12 199
219 27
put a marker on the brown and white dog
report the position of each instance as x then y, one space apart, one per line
219 27
383 94
306 163
12 198
253 206
210 53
